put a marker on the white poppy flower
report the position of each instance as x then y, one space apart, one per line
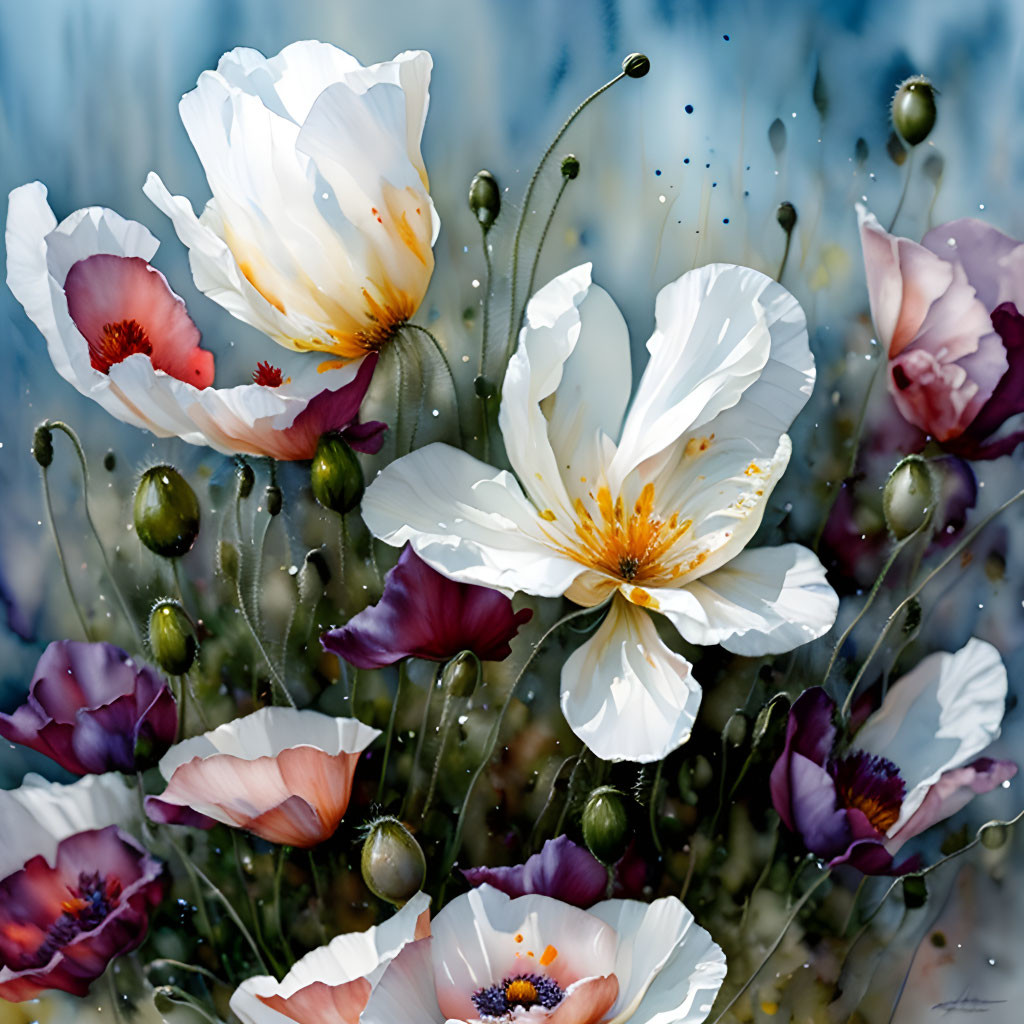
537 959
39 814
321 226
652 507
117 333
333 983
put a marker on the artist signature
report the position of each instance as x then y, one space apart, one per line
968 1004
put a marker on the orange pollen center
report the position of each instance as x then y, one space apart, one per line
636 546
267 375
118 341
521 991
880 812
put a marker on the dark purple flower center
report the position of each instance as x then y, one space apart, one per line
90 904
523 990
871 784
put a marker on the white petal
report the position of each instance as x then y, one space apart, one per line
625 694
765 601
937 717
39 814
668 967
405 994
720 329
265 733
468 520
483 936
565 389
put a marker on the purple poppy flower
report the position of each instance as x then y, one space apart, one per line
908 767
565 871
93 710
426 615
61 925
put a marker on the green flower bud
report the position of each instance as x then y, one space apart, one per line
786 216
908 497
246 480
336 476
636 65
485 198
914 110
735 731
570 167
606 824
42 445
993 835
896 150
274 499
172 638
166 512
915 892
392 862
461 674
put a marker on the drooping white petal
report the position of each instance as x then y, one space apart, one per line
566 389
720 331
937 717
344 959
764 601
669 968
625 694
405 993
468 521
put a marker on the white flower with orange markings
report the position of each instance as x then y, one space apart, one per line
652 508
537 959
321 226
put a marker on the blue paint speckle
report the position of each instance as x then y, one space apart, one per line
726 38
658 173
686 159
688 108
707 165
725 220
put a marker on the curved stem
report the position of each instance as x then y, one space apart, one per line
906 188
543 237
282 856
402 675
60 551
653 806
954 552
527 199
485 333
447 366
774 946
428 703
785 255
443 726
80 452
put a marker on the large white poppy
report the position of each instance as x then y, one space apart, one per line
652 507
321 226
537 959
117 333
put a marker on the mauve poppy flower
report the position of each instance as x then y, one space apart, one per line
537 959
61 924
947 312
331 985
908 767
426 615
93 709
283 774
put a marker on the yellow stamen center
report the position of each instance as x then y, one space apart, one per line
522 992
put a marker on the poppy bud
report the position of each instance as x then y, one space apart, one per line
636 65
42 445
166 512
274 499
908 497
461 674
171 637
335 475
570 168
392 862
246 479
606 824
735 731
786 216
913 109
485 198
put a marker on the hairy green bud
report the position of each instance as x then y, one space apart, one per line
392 862
172 638
606 824
166 512
335 475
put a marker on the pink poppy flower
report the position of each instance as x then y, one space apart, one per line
331 985
947 311
118 334
61 924
283 774
426 615
93 710
537 959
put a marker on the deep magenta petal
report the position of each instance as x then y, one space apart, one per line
165 813
426 615
821 823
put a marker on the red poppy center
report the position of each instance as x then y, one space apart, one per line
118 341
89 904
267 375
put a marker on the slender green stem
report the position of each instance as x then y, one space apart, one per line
80 452
485 332
420 398
443 728
653 807
853 906
513 320
762 877
175 994
321 902
193 876
456 840
282 856
233 914
785 255
906 189
253 909
448 370
544 235
560 823
402 675
397 350
187 684
60 552
115 995
774 946
420 737
182 966
954 552
536 831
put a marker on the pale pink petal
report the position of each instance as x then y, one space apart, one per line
323 1004
587 1001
